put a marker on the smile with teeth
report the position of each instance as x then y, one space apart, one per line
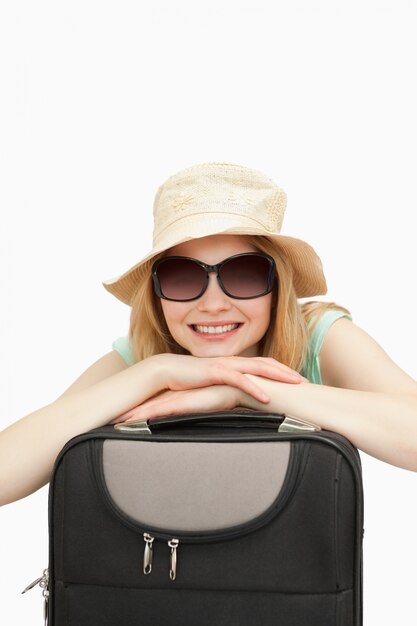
214 330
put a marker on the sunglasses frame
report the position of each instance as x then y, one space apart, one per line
209 269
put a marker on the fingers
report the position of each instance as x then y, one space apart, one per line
248 386
267 368
134 413
189 372
264 366
205 399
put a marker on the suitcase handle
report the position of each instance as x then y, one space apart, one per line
242 418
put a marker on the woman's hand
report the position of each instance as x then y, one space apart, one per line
204 399
201 400
182 372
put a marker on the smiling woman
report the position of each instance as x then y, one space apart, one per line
241 211
216 323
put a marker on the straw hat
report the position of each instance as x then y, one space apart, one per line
222 198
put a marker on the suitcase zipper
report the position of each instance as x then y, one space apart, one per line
173 544
43 582
148 554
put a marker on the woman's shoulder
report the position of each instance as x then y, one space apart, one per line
321 322
319 313
123 346
103 368
319 316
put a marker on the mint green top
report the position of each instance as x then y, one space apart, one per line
311 369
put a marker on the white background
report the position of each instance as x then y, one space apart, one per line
102 101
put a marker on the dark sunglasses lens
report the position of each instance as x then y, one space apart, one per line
181 279
246 276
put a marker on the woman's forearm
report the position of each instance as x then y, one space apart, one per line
382 425
28 447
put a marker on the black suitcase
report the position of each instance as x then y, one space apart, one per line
234 519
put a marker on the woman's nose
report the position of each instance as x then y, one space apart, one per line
214 298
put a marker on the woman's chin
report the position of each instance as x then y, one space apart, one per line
209 347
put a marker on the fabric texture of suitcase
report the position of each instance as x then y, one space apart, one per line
207 520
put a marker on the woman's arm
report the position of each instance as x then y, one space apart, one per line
383 425
28 447
376 411
366 396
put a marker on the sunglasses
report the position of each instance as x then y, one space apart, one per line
242 276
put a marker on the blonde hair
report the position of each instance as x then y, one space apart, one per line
286 339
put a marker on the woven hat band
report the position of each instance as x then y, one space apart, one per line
261 205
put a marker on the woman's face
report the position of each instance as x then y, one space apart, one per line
187 321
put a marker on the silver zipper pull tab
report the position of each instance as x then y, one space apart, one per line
45 594
44 585
35 582
147 555
173 544
42 581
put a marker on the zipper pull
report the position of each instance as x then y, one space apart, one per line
43 583
173 544
45 594
147 555
35 582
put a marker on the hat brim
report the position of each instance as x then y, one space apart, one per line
308 276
